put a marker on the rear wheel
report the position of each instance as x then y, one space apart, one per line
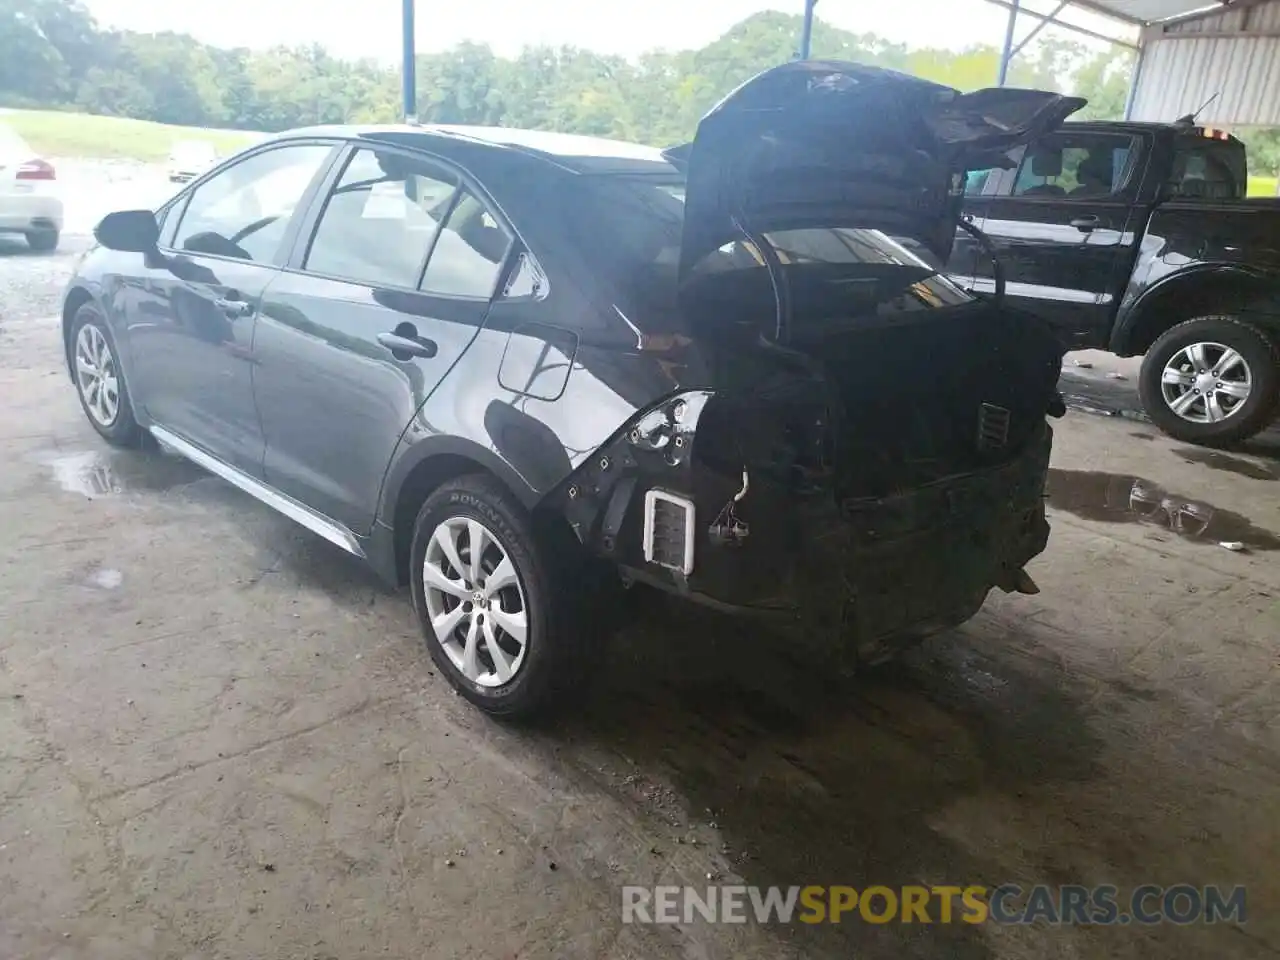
99 380
497 611
1211 381
43 239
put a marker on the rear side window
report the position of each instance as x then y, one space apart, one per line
243 211
1209 169
381 219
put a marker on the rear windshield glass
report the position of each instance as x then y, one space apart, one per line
639 247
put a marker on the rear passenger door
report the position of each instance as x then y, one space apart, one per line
387 287
1063 225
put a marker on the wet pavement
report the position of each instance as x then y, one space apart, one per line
1115 498
98 473
221 737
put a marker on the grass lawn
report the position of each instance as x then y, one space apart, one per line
1262 186
53 133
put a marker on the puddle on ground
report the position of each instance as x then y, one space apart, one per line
97 473
105 579
1221 461
1118 498
1101 407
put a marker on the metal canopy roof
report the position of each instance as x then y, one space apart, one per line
1146 12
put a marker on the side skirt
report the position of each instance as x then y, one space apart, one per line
300 513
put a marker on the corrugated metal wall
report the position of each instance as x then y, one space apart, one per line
1187 63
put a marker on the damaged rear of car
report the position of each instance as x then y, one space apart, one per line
849 440
512 368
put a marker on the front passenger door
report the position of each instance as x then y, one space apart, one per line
1063 226
191 332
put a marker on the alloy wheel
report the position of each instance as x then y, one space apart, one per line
1206 382
475 602
97 378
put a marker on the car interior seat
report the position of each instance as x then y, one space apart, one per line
1045 163
1096 175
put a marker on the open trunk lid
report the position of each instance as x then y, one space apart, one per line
823 143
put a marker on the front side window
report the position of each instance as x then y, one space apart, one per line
1076 166
243 211
381 219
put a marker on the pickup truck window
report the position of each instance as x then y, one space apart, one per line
975 181
1209 169
1083 166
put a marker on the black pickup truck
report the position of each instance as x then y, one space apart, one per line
1137 238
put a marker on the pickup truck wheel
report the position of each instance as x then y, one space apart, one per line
498 617
1211 381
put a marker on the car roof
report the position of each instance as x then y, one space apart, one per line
1140 126
571 151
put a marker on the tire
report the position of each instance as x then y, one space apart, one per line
544 673
1247 394
43 240
88 329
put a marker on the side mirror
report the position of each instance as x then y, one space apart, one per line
129 231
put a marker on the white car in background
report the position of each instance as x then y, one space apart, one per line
190 158
29 203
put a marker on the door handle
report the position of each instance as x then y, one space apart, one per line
234 308
403 346
1085 224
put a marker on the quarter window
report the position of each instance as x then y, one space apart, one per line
244 211
381 219
468 257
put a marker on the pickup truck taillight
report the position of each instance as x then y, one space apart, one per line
36 170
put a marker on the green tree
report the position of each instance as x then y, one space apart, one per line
53 54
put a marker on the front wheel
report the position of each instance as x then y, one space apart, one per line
497 613
1211 381
99 379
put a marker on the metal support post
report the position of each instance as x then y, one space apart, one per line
408 71
1006 54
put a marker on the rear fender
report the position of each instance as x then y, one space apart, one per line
603 499
1198 291
410 455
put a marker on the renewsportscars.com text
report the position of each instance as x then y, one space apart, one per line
1007 904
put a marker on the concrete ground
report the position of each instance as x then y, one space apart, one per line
220 738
